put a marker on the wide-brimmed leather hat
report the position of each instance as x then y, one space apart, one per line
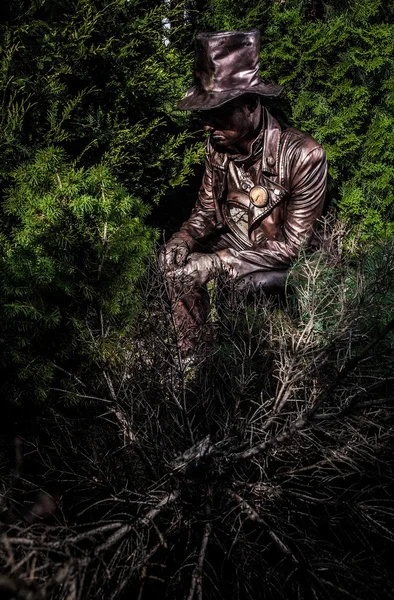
227 65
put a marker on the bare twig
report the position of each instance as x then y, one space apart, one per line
196 584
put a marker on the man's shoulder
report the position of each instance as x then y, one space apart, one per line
293 142
300 144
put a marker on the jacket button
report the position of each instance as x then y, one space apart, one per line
270 161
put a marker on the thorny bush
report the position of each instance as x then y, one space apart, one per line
263 471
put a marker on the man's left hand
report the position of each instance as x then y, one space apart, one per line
199 268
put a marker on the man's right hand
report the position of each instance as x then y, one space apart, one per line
174 254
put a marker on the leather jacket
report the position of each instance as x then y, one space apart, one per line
291 168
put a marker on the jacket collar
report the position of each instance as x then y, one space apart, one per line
264 146
270 150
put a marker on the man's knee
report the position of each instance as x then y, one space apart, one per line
263 282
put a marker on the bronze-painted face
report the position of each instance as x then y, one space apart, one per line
233 125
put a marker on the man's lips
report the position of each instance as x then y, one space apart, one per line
218 136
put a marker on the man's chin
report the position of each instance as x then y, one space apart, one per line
219 143
224 147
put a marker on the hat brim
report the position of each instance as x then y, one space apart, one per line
196 99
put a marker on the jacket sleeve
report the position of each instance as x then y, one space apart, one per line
202 220
307 193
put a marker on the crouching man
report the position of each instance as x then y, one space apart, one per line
262 190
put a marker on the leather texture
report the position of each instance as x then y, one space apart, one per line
292 168
227 65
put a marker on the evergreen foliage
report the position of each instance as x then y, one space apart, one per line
99 80
96 79
68 265
86 92
266 470
336 63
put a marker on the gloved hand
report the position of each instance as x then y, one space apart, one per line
173 254
199 268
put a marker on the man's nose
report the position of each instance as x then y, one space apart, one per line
208 128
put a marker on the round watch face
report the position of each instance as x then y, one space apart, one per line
259 195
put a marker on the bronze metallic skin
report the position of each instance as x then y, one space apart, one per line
259 198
